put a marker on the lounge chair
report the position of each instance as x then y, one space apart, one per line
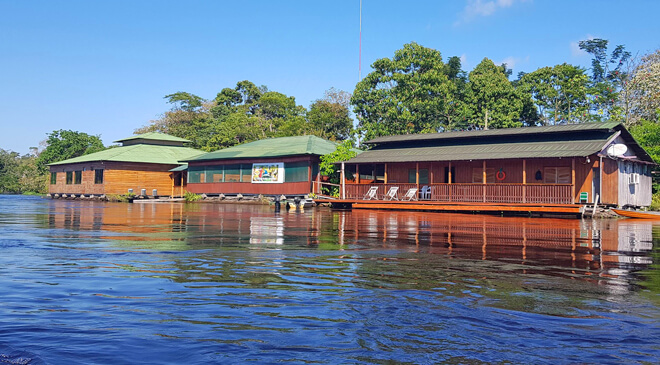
371 194
425 193
411 194
391 194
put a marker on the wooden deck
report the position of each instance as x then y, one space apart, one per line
568 209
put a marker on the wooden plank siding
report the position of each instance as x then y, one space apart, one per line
610 193
118 177
507 186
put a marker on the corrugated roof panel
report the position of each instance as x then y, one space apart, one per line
496 132
273 147
481 152
142 153
154 136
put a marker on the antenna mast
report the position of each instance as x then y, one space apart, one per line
360 57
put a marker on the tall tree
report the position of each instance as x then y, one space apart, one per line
330 117
559 92
605 79
640 94
66 144
493 99
405 94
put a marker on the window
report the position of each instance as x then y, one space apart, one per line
296 171
214 174
232 173
423 176
557 175
69 177
98 176
77 177
478 175
53 178
195 174
246 172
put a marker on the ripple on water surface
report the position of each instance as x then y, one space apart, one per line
88 282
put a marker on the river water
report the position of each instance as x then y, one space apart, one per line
115 283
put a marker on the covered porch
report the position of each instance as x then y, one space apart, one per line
524 181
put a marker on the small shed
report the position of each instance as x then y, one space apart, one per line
141 164
276 166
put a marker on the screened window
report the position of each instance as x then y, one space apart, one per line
78 177
69 177
53 178
557 175
195 174
246 172
232 173
214 174
366 172
296 172
98 176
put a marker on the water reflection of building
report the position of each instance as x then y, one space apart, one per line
267 230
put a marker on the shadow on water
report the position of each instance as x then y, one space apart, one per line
234 283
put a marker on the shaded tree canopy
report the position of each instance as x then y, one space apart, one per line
65 144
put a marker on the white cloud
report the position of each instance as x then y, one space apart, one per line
575 47
512 62
476 8
463 59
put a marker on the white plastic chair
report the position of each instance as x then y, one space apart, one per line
425 193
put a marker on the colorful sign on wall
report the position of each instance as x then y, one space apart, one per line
269 173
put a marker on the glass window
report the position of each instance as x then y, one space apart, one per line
246 172
423 176
53 178
214 174
195 174
69 177
296 171
78 177
98 176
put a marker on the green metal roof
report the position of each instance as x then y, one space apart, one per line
482 151
183 167
569 128
273 147
154 136
142 153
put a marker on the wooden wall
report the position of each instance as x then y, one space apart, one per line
638 195
117 178
291 188
610 193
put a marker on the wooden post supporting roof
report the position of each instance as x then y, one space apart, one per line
483 171
385 173
417 174
357 174
343 181
524 181
573 178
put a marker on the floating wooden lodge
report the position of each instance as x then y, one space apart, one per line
142 165
276 166
550 169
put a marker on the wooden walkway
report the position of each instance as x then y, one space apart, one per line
572 209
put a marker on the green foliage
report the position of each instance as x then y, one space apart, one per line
241 114
330 120
191 197
327 167
647 134
655 201
66 144
20 174
559 92
493 99
411 93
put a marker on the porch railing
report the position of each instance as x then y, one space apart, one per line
489 193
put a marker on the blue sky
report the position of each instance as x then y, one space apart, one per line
103 67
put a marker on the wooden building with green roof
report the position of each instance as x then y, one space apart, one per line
141 164
561 164
275 166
